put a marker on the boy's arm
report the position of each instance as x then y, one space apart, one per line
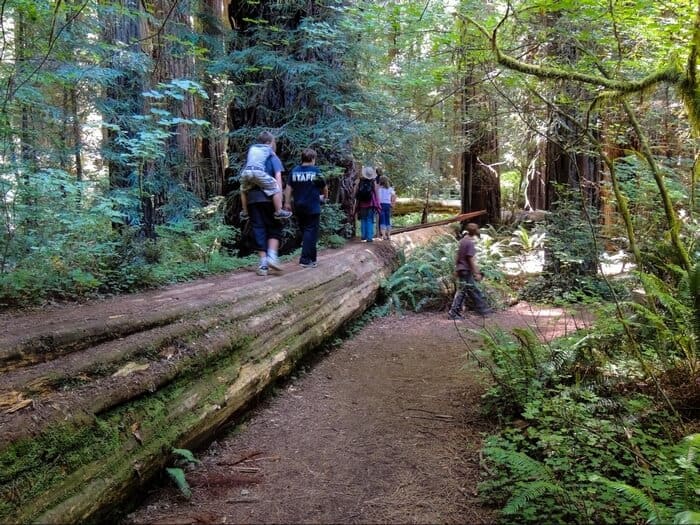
288 197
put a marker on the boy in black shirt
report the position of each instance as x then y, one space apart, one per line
308 190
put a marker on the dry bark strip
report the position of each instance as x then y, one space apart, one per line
196 363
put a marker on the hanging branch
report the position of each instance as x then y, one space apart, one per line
684 81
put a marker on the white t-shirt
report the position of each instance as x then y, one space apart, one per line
385 195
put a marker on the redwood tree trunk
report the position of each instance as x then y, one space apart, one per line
213 145
480 180
123 97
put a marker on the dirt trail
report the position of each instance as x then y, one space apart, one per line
384 429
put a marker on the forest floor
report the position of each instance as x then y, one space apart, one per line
386 427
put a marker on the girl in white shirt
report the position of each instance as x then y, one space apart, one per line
387 200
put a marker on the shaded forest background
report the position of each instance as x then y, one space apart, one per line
124 123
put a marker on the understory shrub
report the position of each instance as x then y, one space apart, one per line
334 227
589 436
426 279
559 289
550 469
65 248
423 280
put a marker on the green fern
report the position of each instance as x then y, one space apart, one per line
680 491
522 465
185 454
633 494
530 479
178 476
687 517
675 314
420 282
531 492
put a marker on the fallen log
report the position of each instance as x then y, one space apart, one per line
113 386
457 218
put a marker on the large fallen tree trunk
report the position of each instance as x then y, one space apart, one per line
96 396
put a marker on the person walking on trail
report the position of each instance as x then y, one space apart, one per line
468 275
265 230
307 189
387 200
265 227
263 170
367 202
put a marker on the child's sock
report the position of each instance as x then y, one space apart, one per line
272 254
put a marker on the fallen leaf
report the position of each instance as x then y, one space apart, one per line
130 368
136 432
19 406
13 401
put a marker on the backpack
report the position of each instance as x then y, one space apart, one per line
364 190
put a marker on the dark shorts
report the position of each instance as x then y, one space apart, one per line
263 225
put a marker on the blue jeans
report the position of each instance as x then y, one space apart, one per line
385 217
308 225
367 224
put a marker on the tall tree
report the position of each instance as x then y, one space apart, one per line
611 73
125 31
213 22
287 71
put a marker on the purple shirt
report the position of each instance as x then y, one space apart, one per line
466 249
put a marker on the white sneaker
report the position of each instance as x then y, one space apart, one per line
262 270
274 263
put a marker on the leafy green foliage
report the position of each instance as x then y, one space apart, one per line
676 485
177 473
560 289
178 476
423 280
667 323
426 279
638 185
64 246
582 444
546 466
334 228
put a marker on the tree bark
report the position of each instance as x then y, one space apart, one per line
125 91
480 181
214 142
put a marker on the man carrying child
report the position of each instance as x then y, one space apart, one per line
263 170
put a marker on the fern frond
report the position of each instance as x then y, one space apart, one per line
526 337
530 492
185 454
634 495
656 288
687 517
694 291
522 465
178 476
651 317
